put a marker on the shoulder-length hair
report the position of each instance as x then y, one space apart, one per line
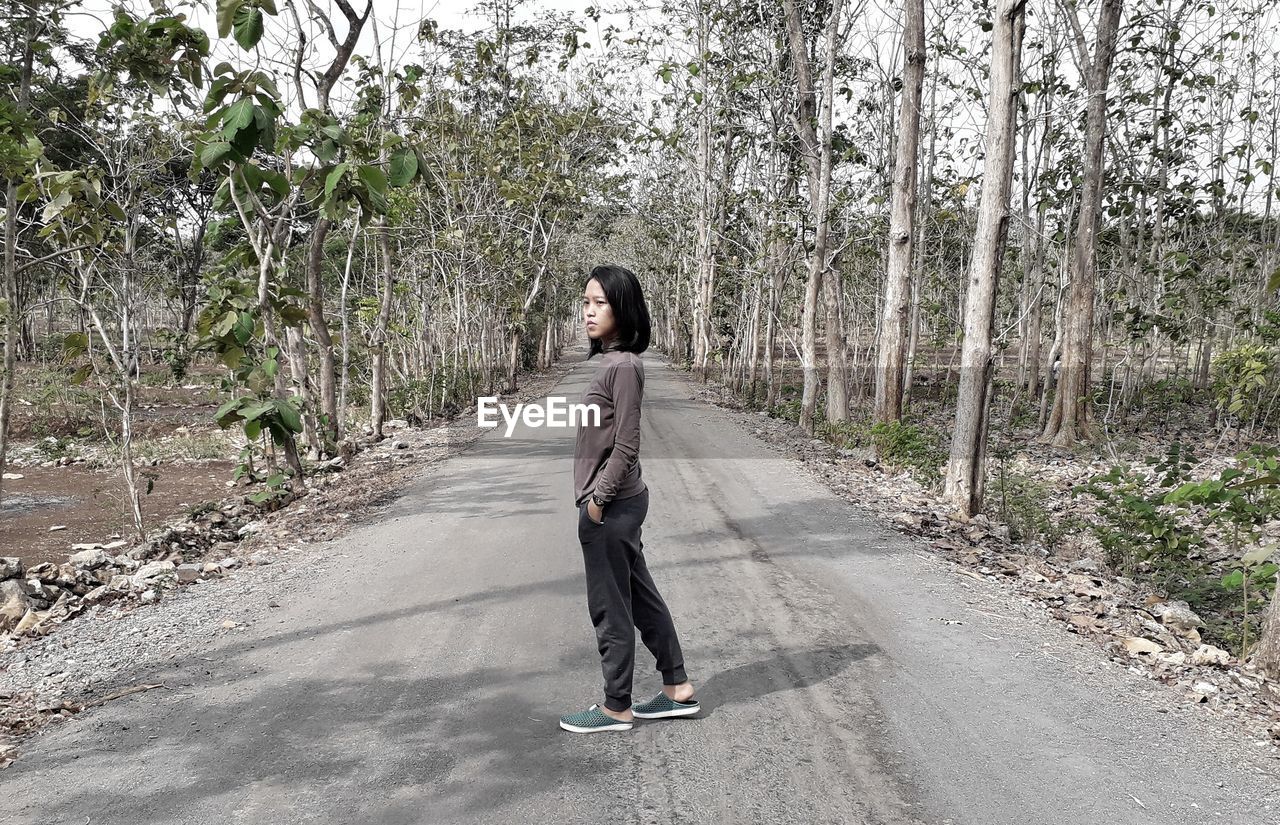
630 314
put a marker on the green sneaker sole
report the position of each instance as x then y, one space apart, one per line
592 720
597 729
662 707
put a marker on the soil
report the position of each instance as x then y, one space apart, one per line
89 504
55 420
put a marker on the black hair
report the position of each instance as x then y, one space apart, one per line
630 314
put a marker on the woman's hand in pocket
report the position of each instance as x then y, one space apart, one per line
594 512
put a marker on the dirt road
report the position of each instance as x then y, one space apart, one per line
847 676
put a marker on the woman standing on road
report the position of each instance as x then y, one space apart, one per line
612 503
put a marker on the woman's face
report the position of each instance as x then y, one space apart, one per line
597 315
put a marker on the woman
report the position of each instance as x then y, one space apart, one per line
612 503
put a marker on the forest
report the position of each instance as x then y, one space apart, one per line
1026 254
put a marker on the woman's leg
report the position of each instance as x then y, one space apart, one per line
650 613
607 560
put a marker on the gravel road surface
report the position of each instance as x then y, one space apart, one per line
415 669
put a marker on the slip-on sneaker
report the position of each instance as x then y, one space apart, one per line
663 706
592 720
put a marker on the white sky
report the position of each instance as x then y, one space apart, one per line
876 35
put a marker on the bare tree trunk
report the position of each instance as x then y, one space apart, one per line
10 309
837 357
1034 248
753 355
345 370
813 127
966 468
126 458
702 288
1068 421
1268 656
923 206
296 347
327 429
378 341
892 354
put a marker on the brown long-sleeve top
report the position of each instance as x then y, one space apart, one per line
606 458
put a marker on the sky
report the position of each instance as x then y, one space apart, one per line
876 34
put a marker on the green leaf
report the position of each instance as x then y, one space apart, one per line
227 10
248 27
1233 580
54 207
214 154
331 180
1258 555
252 176
374 178
237 116
334 132
254 411
404 167
1265 574
74 345
289 416
1182 493
278 182
232 357
293 315
228 413
375 182
269 6
258 381
267 85
252 429
243 329
225 324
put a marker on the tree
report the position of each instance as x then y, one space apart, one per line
19 151
966 468
892 354
1068 419
811 120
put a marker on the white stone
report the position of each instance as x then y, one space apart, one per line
151 571
1210 655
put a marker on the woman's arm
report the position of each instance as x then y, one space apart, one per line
626 391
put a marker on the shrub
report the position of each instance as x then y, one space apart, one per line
1140 533
913 448
1240 377
1021 504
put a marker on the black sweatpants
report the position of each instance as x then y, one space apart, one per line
621 597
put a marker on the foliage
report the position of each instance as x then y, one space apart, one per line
916 448
1241 375
175 351
1140 533
230 327
1160 525
1022 505
1240 502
